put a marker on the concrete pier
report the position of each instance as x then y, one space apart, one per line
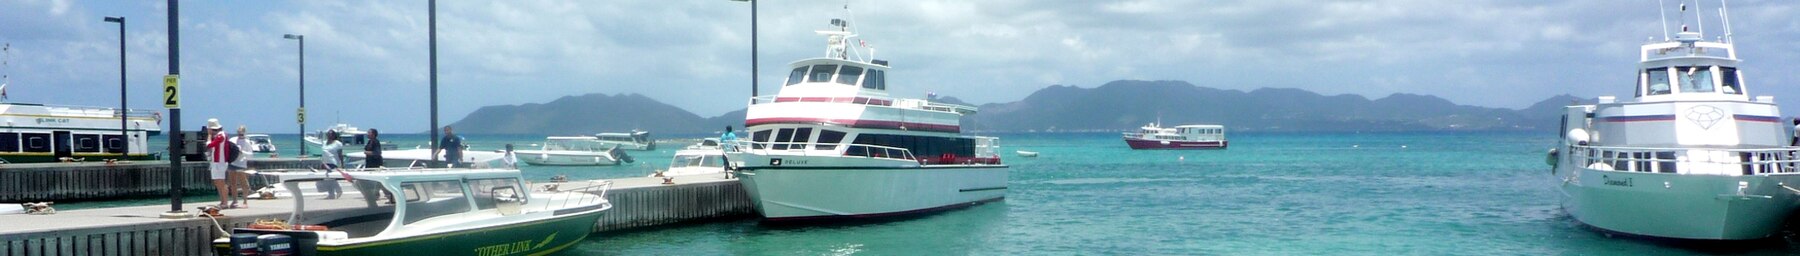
99 180
637 203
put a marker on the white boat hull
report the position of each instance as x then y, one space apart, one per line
796 192
566 159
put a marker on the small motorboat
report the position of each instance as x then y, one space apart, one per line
704 157
439 212
574 151
1027 153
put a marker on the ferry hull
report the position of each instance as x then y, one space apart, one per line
798 194
19 158
1695 207
1172 144
534 238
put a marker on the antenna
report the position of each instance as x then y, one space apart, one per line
1725 17
1699 18
1661 9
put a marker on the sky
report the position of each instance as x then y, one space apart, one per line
367 61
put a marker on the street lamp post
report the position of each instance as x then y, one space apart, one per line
753 80
124 150
300 114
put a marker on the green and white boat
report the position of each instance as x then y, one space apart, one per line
441 212
1690 156
39 133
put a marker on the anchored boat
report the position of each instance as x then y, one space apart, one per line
574 151
1154 136
38 133
832 144
1690 156
438 212
703 157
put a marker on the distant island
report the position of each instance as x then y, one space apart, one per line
1114 106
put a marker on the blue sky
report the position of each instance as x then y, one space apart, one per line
366 60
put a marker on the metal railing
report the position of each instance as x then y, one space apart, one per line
873 101
1720 161
803 149
566 194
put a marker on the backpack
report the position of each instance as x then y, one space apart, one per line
231 152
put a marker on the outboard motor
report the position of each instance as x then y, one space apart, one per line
620 155
275 245
245 244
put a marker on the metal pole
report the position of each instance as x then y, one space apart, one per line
753 72
302 120
124 134
175 170
431 18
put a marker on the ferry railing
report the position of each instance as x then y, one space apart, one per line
872 101
806 149
596 188
1722 161
97 111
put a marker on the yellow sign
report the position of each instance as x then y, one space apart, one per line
172 91
300 116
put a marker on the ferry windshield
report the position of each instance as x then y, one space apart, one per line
1659 81
1695 79
821 73
797 76
1730 78
849 75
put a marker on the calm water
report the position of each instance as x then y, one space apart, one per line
1281 193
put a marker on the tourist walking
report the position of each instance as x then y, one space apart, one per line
452 146
239 176
216 164
372 150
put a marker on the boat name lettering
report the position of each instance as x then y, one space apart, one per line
504 249
53 120
779 162
1616 182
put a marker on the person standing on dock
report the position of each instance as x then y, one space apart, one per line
238 175
728 143
372 150
215 158
452 147
334 159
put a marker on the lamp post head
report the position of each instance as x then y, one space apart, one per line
293 36
120 20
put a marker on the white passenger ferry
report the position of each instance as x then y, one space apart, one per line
832 144
1690 156
37 133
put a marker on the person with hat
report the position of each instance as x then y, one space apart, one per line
216 162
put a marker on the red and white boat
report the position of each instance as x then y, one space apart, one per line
833 145
1197 136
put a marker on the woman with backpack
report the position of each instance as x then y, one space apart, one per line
216 153
239 177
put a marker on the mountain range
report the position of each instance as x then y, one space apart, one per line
1114 106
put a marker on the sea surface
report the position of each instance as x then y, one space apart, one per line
1437 193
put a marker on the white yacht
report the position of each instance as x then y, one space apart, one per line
1691 155
570 151
704 157
832 144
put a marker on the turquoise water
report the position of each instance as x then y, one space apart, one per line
1270 193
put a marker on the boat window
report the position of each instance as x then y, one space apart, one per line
821 73
36 142
87 143
828 139
488 192
116 143
849 75
802 135
437 198
1695 79
760 137
1659 81
9 142
782 137
797 76
875 80
1729 80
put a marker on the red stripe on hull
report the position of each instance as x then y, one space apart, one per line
882 215
854 123
1157 144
